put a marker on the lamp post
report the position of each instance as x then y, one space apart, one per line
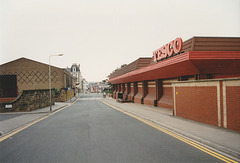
50 92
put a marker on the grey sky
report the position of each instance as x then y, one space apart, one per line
103 34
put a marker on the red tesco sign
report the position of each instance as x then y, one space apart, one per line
169 49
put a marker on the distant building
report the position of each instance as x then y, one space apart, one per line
85 85
103 86
75 71
98 87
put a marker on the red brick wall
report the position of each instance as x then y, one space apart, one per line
114 94
197 103
125 91
215 102
126 88
166 100
233 107
151 96
131 94
118 90
124 96
138 96
114 91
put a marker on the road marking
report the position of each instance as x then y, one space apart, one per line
28 125
198 146
87 99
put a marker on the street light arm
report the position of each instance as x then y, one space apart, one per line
55 55
50 92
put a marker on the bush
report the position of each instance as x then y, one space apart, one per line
56 92
110 91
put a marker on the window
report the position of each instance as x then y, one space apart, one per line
74 69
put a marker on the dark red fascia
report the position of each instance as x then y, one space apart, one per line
188 63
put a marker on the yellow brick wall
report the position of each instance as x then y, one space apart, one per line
34 75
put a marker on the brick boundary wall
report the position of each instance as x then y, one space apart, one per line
28 100
214 101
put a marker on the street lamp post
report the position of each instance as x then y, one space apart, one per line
50 92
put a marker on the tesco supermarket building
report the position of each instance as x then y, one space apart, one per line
198 79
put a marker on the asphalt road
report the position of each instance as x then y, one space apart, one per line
90 131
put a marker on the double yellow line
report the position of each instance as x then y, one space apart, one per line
200 147
30 124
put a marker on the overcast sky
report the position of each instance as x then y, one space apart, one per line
101 35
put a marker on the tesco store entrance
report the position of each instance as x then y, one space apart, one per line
198 79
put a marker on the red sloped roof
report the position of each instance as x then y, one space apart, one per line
139 63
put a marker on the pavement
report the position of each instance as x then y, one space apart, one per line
223 140
12 121
220 139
